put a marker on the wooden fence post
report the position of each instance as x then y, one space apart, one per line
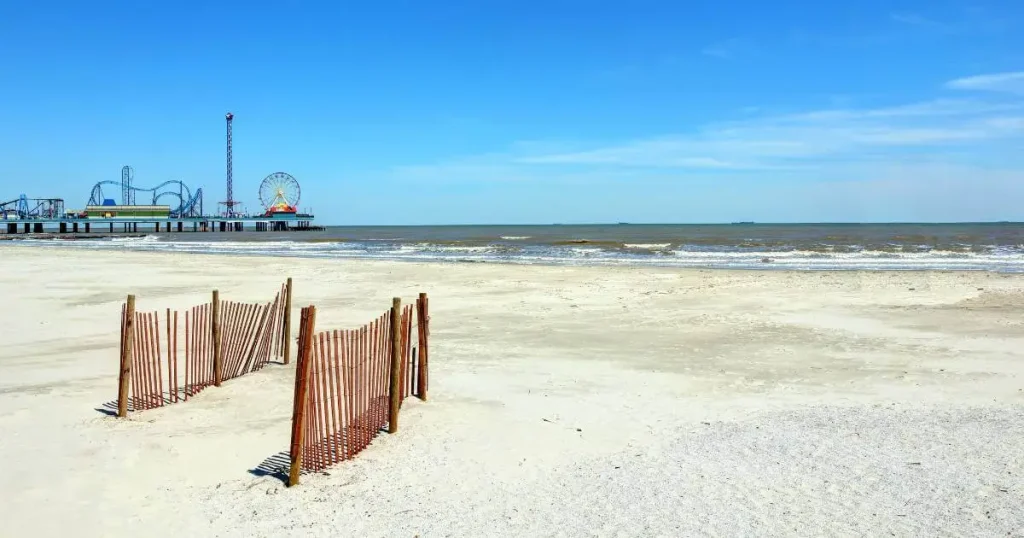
396 364
125 373
421 314
286 337
307 323
218 368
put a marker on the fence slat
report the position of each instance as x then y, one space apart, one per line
339 395
350 415
148 354
174 347
266 335
243 312
324 400
365 386
306 327
246 325
137 370
158 367
262 311
146 361
170 364
158 361
188 354
125 368
216 328
229 314
407 359
204 331
287 328
376 328
332 371
421 314
396 365
139 396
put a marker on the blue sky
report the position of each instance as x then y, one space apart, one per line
417 112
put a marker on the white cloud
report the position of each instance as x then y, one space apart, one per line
1012 82
933 108
916 19
806 138
956 22
815 141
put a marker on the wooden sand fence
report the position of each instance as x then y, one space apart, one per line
349 384
218 341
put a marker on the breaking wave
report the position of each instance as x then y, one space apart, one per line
1001 259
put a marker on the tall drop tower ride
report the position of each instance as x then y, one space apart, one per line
230 203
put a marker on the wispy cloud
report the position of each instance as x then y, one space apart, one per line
812 137
963 22
907 27
920 21
1012 82
942 128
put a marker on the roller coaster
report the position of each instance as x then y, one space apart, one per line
32 208
188 204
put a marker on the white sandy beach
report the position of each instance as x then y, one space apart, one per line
564 402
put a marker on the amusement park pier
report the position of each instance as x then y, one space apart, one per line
168 207
143 223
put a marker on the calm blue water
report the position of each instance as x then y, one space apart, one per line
989 246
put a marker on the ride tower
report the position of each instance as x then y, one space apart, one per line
229 206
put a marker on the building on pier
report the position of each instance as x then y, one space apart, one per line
140 222
127 211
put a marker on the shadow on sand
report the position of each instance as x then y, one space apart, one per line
276 466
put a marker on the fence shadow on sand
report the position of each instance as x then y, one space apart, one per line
275 466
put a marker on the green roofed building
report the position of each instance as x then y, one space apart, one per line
128 211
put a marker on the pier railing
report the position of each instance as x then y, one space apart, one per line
204 346
350 384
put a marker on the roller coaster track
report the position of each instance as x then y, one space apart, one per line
188 204
32 208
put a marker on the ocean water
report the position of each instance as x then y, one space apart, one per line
981 247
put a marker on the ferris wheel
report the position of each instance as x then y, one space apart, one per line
279 192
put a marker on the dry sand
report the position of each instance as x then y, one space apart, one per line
565 402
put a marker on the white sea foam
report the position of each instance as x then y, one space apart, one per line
1003 259
515 237
648 246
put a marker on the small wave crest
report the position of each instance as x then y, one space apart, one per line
648 246
1002 259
